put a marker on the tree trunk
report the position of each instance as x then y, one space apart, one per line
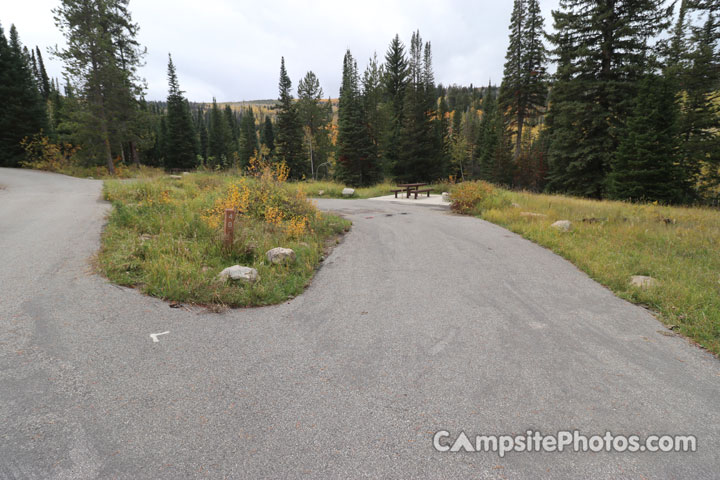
134 154
518 140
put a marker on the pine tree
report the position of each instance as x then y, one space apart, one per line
315 114
248 137
203 135
602 50
102 56
377 112
289 134
43 79
490 136
395 81
699 78
181 149
267 135
357 155
23 111
646 165
219 138
231 121
418 159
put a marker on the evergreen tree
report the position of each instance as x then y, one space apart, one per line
267 136
646 165
219 138
23 111
418 148
699 84
490 136
248 134
357 155
395 81
232 122
181 150
315 114
102 56
289 134
377 112
524 89
602 49
203 134
43 79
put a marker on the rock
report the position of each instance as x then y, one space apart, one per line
237 272
186 173
515 205
532 214
348 192
562 225
145 237
90 178
445 197
642 281
176 177
280 255
321 192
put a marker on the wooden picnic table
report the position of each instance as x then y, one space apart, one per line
409 188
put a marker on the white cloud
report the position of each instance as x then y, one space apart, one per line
232 49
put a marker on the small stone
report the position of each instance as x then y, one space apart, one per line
280 255
176 177
515 205
532 214
643 281
237 272
348 192
562 225
321 192
445 197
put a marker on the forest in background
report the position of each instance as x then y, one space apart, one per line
632 111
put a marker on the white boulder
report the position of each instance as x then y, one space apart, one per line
562 225
280 255
445 197
238 272
348 192
642 281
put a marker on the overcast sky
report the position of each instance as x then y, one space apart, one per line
231 49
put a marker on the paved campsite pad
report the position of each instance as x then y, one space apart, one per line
416 323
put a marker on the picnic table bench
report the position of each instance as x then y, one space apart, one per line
411 188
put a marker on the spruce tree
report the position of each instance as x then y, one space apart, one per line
418 157
219 138
203 135
490 135
602 50
646 164
395 81
102 56
377 112
181 150
700 105
267 135
43 79
315 114
357 155
248 137
289 134
23 112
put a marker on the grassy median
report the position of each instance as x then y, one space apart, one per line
164 237
612 241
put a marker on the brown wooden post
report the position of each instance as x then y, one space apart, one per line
229 226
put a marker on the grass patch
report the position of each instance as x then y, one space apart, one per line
164 237
611 241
